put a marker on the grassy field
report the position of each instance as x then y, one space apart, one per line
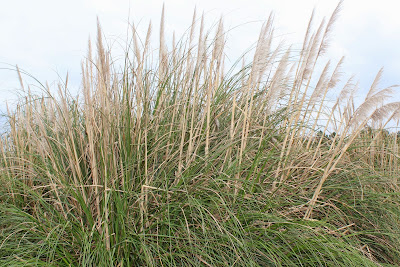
172 160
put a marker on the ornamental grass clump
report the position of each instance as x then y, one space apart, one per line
174 159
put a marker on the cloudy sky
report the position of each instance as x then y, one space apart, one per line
47 38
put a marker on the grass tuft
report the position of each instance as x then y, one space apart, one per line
176 160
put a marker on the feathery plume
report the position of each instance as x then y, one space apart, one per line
312 52
347 89
261 58
100 49
308 32
328 29
219 41
136 46
335 78
147 42
363 111
321 84
192 27
163 46
276 87
383 112
374 85
20 78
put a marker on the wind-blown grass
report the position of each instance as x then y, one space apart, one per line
174 161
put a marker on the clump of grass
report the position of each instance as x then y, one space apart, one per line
172 160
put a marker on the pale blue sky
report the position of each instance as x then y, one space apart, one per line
48 37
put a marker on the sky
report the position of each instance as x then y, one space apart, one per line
48 38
